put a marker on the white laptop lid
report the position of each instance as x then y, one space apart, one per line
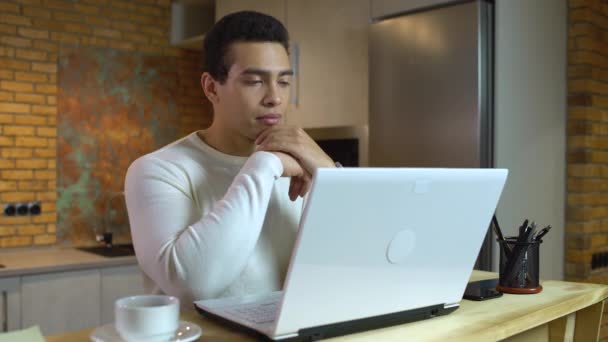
375 241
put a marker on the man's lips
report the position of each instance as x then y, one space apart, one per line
269 119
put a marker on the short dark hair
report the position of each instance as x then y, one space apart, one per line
244 26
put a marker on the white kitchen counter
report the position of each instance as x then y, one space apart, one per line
54 259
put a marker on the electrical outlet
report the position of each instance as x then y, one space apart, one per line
599 260
21 209
34 208
10 209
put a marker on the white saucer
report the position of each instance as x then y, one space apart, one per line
185 332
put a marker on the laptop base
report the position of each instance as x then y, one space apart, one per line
343 328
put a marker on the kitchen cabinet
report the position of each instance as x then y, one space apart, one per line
330 56
10 303
62 301
329 53
65 301
275 8
118 282
189 22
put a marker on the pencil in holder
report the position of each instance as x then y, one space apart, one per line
519 266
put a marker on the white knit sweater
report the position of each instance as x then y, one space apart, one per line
205 224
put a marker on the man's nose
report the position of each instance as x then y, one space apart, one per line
273 97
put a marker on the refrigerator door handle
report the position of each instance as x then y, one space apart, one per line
295 65
4 311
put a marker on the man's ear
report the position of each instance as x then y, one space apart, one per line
209 86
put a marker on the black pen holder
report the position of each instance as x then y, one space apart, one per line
519 267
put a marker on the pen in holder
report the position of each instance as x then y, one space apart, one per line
519 271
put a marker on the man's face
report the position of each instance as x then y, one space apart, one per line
256 92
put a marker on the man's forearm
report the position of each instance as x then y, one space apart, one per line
198 256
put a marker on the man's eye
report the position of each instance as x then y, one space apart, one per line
284 83
253 82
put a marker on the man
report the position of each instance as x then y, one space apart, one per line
211 214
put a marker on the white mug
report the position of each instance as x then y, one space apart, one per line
147 317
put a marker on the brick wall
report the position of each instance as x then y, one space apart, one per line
587 188
32 35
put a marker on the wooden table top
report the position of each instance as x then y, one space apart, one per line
493 319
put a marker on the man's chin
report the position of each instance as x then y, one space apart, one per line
259 127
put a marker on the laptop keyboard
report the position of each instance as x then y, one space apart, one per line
256 313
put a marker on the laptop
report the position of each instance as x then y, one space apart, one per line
376 247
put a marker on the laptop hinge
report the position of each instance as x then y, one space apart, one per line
369 323
348 327
451 305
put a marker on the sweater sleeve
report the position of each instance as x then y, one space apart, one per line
186 253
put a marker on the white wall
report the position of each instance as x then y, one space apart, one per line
530 114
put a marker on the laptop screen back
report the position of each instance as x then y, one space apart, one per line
374 241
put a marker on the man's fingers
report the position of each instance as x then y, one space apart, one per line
293 185
263 136
272 131
283 145
305 187
272 137
306 183
299 185
295 142
277 132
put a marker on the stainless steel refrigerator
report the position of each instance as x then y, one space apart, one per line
431 90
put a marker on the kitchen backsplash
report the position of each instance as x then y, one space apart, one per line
85 88
113 106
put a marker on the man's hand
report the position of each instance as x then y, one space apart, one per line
291 167
297 143
300 179
299 186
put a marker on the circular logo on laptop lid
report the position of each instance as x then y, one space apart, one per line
401 246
